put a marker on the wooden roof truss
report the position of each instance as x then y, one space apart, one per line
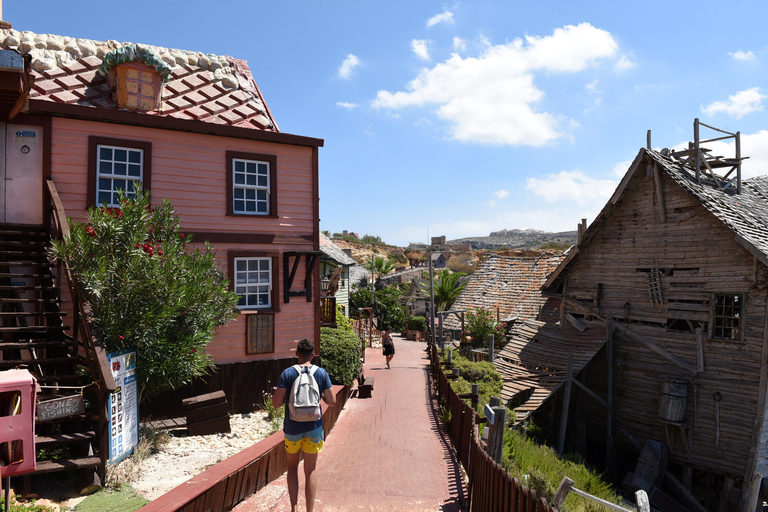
701 159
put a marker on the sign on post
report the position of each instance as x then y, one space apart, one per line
60 408
123 406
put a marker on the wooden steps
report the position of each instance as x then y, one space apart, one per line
64 439
50 466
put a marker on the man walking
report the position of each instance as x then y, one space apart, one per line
303 436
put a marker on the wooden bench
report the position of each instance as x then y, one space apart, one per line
364 386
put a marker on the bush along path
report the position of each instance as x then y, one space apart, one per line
387 452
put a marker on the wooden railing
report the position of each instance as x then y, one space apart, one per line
490 487
231 481
87 341
367 332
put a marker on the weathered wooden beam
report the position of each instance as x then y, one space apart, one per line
656 348
590 393
659 192
566 405
575 322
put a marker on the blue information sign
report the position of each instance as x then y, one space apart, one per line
123 406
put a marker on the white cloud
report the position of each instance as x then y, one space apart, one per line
743 56
571 187
623 64
621 168
349 64
592 87
419 47
347 105
459 44
501 194
491 98
444 17
738 105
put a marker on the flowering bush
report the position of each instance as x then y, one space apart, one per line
147 290
481 323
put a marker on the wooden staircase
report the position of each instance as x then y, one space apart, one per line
35 337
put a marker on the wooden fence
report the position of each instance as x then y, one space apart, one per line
490 487
231 481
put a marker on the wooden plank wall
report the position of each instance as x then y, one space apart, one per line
701 258
242 383
190 170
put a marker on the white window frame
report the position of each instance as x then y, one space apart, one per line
249 282
250 189
114 177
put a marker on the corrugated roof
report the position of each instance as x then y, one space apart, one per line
332 251
202 87
536 356
511 285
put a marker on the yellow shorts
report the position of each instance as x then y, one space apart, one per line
308 442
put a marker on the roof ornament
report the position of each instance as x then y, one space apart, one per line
700 160
133 53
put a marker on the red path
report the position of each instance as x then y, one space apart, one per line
386 453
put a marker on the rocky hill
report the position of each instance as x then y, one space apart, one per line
517 239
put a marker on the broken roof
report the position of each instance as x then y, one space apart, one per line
746 214
333 252
201 87
536 356
511 285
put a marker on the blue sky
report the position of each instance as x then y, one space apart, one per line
461 118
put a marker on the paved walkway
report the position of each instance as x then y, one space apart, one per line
386 453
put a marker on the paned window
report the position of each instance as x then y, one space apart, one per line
117 169
114 165
251 184
251 187
253 282
728 316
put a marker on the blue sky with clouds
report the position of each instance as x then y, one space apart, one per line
461 118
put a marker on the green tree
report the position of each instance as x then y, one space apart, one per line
388 309
381 266
148 291
446 287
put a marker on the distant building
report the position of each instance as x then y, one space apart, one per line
417 246
438 240
438 260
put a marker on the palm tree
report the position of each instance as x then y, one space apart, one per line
446 287
381 267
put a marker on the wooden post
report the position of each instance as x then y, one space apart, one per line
648 140
455 374
643 504
696 147
431 300
562 492
442 321
609 394
566 404
491 346
738 166
496 430
475 396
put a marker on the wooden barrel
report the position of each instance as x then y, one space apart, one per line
674 396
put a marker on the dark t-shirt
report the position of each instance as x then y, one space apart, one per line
289 375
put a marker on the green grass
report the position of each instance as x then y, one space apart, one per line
107 500
539 468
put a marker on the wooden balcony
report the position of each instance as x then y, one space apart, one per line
328 311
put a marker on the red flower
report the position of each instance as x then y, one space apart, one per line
194 350
122 338
181 235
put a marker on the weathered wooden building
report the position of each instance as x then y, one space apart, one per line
675 268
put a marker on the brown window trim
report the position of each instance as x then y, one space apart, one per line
272 159
94 141
275 296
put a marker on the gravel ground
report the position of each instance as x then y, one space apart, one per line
183 457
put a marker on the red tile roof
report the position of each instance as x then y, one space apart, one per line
209 88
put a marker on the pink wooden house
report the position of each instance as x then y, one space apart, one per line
194 128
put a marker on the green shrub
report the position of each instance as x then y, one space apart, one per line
484 374
340 354
417 323
148 290
342 322
545 470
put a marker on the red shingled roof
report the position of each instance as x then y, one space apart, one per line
208 88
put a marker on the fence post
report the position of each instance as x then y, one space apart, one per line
455 374
491 346
562 492
496 429
643 504
475 396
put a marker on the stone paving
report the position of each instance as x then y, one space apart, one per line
386 453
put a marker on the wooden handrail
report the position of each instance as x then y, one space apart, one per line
91 341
